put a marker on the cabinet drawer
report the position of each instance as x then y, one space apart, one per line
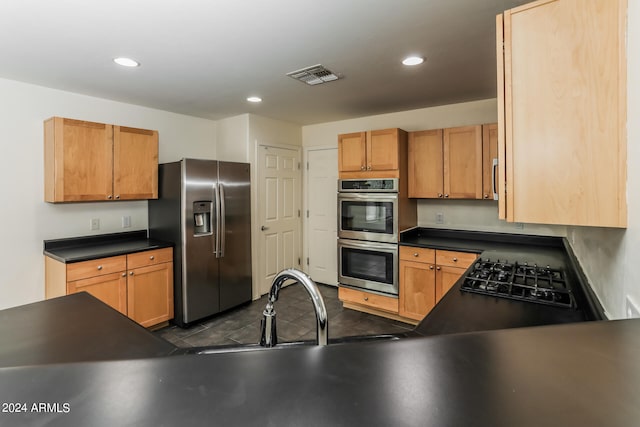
410 253
156 256
455 259
370 300
96 267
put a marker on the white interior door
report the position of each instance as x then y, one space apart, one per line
322 186
279 212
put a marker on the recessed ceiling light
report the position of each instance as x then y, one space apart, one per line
413 60
126 62
254 99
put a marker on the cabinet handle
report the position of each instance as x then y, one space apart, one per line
151 257
486 196
439 194
368 168
362 168
366 298
415 254
438 268
118 196
109 197
99 267
131 273
446 195
124 274
455 259
431 267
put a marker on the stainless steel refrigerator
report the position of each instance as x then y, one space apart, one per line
204 207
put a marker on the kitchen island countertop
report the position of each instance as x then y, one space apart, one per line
583 374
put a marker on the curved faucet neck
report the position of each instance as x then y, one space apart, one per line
314 293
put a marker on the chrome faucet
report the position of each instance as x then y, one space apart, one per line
268 335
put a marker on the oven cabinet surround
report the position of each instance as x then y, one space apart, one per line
562 113
139 285
372 154
426 275
87 161
452 163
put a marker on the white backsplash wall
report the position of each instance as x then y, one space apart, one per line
476 215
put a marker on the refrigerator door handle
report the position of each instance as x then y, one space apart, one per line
216 208
223 224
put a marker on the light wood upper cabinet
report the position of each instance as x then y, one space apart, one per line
377 153
426 168
489 160
87 161
463 162
562 112
446 163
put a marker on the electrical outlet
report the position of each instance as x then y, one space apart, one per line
632 310
94 224
439 218
126 221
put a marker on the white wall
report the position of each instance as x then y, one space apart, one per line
609 256
26 220
466 215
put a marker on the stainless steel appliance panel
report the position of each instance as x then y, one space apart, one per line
234 183
369 266
200 286
209 221
368 216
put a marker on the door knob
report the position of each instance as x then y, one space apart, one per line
263 228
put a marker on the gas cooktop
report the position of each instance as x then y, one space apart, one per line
523 282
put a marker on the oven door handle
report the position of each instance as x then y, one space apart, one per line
368 196
388 247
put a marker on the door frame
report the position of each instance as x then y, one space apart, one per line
305 199
256 223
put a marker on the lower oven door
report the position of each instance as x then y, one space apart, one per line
370 266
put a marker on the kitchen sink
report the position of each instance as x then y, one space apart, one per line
282 345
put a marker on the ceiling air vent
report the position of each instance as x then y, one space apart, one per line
314 75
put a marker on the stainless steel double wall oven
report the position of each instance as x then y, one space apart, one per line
368 234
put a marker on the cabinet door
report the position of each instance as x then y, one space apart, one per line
463 162
382 150
565 112
489 154
150 294
352 152
446 277
417 290
425 164
109 288
78 160
135 167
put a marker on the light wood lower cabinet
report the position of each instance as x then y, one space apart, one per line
425 276
139 285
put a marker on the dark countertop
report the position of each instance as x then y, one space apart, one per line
460 311
73 328
583 374
86 248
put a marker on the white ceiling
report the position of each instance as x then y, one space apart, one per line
204 57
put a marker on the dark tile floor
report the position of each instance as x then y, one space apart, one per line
295 322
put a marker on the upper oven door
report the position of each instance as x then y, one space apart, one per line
367 216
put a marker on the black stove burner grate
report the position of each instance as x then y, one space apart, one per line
522 282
